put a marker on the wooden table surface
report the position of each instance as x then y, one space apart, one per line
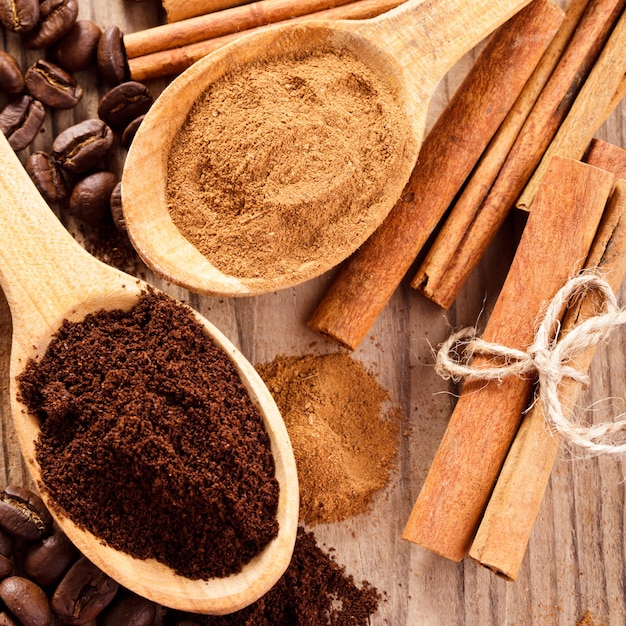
575 562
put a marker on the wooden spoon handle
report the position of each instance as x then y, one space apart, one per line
43 270
428 37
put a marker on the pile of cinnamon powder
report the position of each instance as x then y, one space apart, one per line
282 163
343 429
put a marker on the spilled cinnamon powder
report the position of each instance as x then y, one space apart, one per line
343 429
281 164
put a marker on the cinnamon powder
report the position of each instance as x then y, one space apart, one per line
283 163
343 430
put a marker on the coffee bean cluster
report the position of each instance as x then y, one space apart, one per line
72 173
44 580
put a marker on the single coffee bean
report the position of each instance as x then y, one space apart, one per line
11 77
129 609
52 85
46 561
26 601
122 104
47 176
76 51
83 593
116 208
20 121
83 146
23 513
131 130
19 16
90 201
56 17
111 56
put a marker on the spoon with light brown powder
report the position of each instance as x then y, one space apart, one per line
272 159
48 278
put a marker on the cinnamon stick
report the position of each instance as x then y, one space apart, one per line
174 61
221 23
449 152
456 491
538 130
589 111
177 10
503 535
431 277
607 156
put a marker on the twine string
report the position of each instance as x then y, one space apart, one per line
548 359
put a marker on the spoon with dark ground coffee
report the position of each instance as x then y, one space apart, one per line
272 159
50 281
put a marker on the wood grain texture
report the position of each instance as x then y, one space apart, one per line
576 557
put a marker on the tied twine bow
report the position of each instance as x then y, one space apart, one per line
547 358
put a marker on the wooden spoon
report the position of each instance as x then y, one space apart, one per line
410 48
48 277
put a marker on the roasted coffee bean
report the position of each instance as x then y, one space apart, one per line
23 513
11 77
111 56
19 16
83 593
131 130
129 609
76 51
90 201
56 17
52 85
125 102
26 601
20 121
116 208
46 561
47 176
83 146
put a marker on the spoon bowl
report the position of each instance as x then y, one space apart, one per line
409 49
48 277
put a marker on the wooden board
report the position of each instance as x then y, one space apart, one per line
576 558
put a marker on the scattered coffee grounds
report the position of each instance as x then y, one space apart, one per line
150 440
282 163
344 439
314 591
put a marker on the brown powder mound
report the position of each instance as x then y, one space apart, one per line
282 163
344 440
150 440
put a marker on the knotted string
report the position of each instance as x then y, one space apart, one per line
547 358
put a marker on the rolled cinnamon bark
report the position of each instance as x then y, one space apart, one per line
456 491
502 537
233 20
177 10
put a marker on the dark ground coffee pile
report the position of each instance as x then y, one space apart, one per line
150 440
314 591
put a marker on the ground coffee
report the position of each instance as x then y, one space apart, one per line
314 591
150 440
282 163
343 428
